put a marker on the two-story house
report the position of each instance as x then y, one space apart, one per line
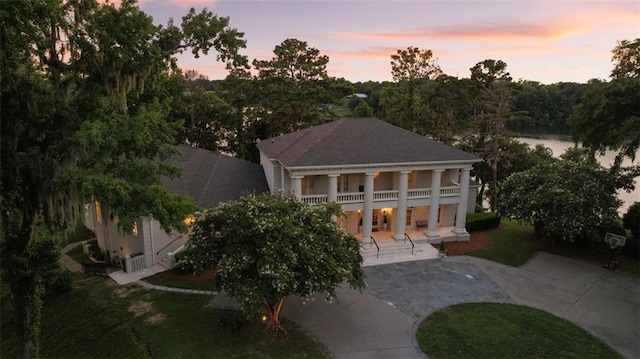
385 178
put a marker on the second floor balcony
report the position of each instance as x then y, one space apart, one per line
381 196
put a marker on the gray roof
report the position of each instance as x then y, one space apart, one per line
209 177
358 141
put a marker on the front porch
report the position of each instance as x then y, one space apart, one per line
387 250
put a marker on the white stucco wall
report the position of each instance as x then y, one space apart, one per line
268 170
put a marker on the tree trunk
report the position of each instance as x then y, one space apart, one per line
273 311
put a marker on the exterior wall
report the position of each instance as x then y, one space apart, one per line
286 183
277 176
383 182
420 213
471 203
150 239
422 179
448 215
268 171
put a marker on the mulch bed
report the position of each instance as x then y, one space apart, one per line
479 240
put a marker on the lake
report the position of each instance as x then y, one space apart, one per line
558 144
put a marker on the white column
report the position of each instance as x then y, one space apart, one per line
296 186
401 211
367 215
333 188
461 214
432 229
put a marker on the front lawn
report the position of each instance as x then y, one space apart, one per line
177 279
101 320
493 331
77 253
512 244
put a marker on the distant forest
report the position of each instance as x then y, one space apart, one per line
536 106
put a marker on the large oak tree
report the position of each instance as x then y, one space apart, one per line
83 117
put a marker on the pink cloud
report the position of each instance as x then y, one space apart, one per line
376 52
466 32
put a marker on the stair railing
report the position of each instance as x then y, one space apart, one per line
406 236
373 241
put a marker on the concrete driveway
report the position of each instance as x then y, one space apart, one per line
381 322
603 302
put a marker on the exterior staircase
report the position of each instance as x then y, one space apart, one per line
396 252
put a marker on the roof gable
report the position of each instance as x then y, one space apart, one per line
210 178
357 141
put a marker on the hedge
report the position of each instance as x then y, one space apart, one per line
482 221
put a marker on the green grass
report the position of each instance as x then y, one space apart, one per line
79 233
158 279
342 109
78 255
100 320
513 244
492 330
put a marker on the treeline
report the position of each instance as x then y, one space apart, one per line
538 106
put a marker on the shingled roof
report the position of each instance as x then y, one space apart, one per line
355 141
210 178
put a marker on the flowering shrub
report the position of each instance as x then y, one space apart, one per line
267 247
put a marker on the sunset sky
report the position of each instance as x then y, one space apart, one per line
545 41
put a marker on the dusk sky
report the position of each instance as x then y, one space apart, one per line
545 41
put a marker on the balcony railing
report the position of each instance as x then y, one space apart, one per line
419 193
390 195
353 197
315 199
449 191
385 195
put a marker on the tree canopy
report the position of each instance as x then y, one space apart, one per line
294 87
268 247
83 116
567 200
608 118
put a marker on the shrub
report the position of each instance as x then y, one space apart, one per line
482 221
194 261
632 247
59 283
631 219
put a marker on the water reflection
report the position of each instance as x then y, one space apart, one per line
558 145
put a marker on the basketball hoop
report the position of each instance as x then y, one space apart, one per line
614 241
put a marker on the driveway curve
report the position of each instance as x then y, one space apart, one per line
381 321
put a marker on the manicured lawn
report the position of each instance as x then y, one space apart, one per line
187 281
78 255
80 233
101 320
513 244
491 330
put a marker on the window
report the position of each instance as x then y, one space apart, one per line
308 185
134 230
411 180
343 183
97 211
409 212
